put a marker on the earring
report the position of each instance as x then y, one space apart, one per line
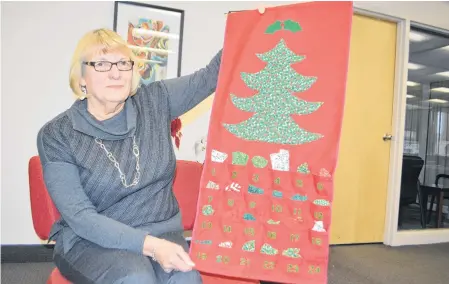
84 90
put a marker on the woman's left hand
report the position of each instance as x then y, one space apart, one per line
170 256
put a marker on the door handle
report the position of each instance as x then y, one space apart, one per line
387 137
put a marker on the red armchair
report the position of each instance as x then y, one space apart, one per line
185 187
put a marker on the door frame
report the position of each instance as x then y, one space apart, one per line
392 236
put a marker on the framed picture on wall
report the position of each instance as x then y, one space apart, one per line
154 33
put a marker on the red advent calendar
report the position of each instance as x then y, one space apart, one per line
264 210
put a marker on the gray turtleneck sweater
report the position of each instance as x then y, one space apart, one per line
84 184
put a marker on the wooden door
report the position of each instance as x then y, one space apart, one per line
362 173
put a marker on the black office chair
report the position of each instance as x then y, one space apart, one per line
434 195
410 186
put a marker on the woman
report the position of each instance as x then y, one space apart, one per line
109 164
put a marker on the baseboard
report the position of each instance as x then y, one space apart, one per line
421 237
27 253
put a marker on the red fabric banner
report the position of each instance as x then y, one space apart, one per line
264 210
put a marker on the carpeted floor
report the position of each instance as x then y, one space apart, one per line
361 264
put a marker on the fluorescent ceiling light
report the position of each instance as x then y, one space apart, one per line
414 66
410 106
438 101
445 74
417 37
409 96
412 84
441 89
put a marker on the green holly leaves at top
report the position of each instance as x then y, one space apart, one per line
288 25
292 26
276 26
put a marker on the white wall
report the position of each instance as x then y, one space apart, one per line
38 39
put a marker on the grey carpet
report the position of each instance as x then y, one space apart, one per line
361 264
26 273
378 264
412 219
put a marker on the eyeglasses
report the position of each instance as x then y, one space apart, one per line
105 66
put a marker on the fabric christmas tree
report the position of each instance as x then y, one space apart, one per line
275 103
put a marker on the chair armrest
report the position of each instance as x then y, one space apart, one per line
440 176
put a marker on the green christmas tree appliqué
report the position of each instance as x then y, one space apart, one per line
275 103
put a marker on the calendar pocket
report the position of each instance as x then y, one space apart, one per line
319 240
297 211
323 186
280 180
320 209
257 176
316 269
301 183
215 173
237 173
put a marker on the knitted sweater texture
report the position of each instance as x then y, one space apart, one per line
84 184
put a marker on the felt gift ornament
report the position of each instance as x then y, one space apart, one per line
266 190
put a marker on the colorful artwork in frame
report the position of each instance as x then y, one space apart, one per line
155 35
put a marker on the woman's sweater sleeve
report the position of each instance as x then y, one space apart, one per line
63 183
185 92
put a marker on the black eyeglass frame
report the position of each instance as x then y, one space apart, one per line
92 63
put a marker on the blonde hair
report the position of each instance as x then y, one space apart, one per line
99 41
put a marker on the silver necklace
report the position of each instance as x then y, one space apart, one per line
117 165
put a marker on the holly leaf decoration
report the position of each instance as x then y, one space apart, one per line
292 26
276 26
